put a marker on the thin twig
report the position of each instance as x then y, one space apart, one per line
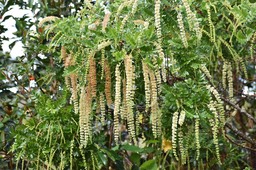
239 109
235 143
239 133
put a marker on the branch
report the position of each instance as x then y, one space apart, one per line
232 141
239 133
239 109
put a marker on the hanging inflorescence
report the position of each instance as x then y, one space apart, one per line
192 20
108 83
174 133
215 125
211 25
117 103
147 84
84 116
130 84
182 29
197 138
159 38
154 104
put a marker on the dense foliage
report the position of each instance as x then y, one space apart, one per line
132 85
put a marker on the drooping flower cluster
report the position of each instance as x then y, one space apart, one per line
130 82
147 84
92 75
108 83
174 133
84 116
182 148
230 81
154 104
192 20
207 73
182 117
224 75
211 25
117 103
215 124
182 29
197 138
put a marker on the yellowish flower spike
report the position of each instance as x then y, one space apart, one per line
106 20
71 153
117 103
192 20
207 73
182 29
189 12
108 83
224 75
230 81
197 138
215 93
84 116
243 67
218 104
102 63
154 104
182 148
182 117
121 7
129 72
129 15
63 55
211 25
103 45
215 125
174 134
134 7
147 84
159 37
124 107
93 75
157 21
47 19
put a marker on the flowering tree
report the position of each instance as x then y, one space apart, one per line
152 84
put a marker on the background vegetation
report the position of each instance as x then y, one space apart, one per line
208 68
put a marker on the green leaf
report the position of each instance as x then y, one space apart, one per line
132 148
131 40
1 124
103 158
148 33
2 77
152 141
149 165
111 154
70 69
241 37
135 158
190 115
119 55
5 119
